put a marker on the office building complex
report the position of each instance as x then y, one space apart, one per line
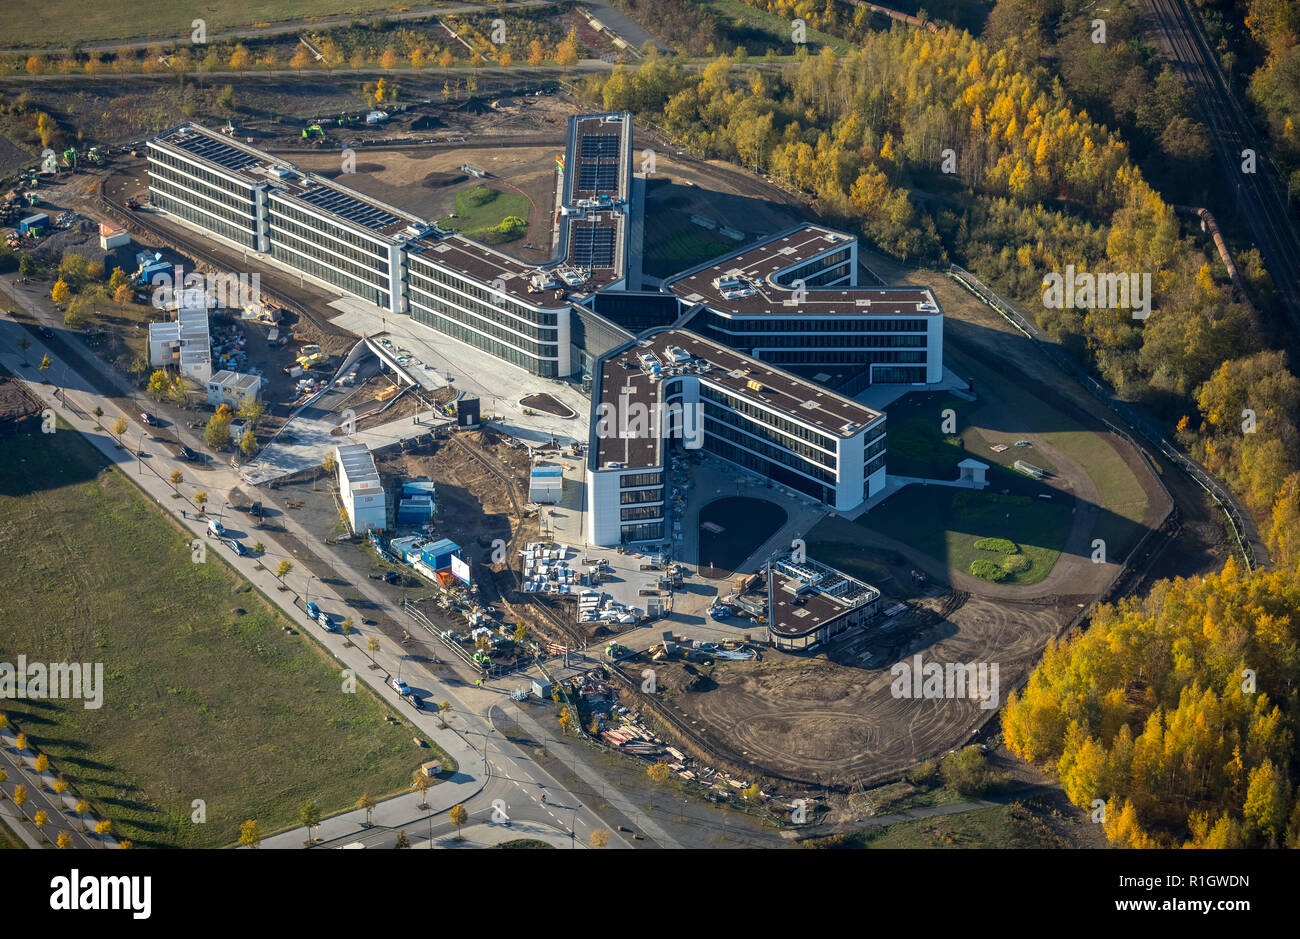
674 388
793 300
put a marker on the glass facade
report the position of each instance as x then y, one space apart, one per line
241 235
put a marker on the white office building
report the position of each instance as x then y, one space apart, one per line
673 388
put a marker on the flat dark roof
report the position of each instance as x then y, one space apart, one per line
758 293
729 370
257 167
815 608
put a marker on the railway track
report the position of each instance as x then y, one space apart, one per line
195 249
1258 195
534 602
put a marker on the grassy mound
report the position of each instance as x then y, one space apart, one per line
988 570
1000 545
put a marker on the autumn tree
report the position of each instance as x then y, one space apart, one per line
309 817
659 772
250 834
458 817
60 294
366 801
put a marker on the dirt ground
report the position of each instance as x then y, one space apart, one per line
426 182
475 509
834 717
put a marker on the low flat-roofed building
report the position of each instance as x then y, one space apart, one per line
360 488
809 602
183 344
675 388
227 387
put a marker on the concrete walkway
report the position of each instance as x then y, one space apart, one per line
488 836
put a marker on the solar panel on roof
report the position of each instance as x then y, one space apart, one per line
606 177
215 151
349 207
599 145
593 247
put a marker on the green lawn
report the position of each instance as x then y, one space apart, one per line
473 219
1121 495
205 696
917 442
8 840
778 27
676 249
59 23
945 523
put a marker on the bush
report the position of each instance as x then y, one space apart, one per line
479 195
967 772
1015 563
510 228
1000 545
987 570
923 773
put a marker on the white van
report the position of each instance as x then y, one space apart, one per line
215 528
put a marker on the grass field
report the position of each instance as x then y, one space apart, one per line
682 247
472 219
59 23
1118 490
945 523
777 27
205 696
8 840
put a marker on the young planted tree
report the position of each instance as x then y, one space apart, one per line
24 343
309 818
599 838
119 427
366 801
64 840
458 817
42 763
20 794
176 478
372 646
422 783
402 841
283 568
